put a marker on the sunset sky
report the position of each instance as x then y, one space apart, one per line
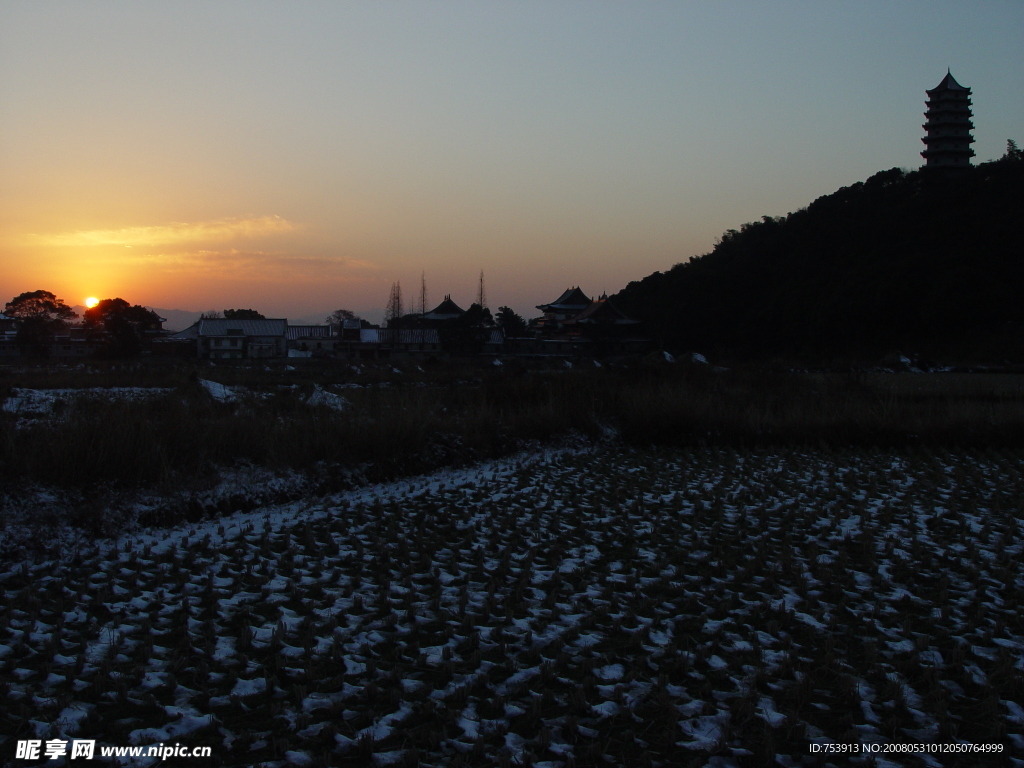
298 157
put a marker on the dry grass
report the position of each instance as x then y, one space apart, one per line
412 420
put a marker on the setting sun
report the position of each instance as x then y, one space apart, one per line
91 302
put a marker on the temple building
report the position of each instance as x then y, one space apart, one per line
568 305
574 325
446 310
601 314
948 125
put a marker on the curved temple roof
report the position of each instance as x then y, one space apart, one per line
948 84
572 298
446 310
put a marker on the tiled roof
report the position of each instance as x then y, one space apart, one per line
220 326
948 84
572 298
601 312
192 332
446 310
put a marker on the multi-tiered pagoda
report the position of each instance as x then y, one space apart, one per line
948 125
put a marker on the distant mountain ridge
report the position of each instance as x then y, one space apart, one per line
902 258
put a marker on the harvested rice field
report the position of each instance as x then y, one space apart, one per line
604 607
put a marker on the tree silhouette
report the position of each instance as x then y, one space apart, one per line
119 326
477 316
511 323
338 316
40 315
901 260
40 305
243 314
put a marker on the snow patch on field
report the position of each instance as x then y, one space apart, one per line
219 392
44 402
553 606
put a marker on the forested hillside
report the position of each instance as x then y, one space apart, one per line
900 259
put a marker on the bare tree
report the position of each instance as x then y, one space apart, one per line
423 293
394 311
339 316
481 296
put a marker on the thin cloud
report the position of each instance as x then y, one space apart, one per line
220 230
233 264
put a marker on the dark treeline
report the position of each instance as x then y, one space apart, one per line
902 259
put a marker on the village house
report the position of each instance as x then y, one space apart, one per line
8 336
311 340
70 342
494 342
348 330
223 339
574 325
386 343
349 341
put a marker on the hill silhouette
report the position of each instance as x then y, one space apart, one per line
902 259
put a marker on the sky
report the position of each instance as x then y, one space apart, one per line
301 157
